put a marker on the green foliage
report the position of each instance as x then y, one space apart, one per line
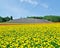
11 18
52 18
35 17
4 19
8 46
55 45
1 19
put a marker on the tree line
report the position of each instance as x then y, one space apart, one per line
4 19
52 18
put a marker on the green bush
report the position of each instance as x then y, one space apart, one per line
4 19
52 18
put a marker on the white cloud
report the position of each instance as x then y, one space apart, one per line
35 2
30 1
14 10
44 5
18 12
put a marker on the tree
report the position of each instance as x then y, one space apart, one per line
38 17
11 18
52 18
1 19
6 19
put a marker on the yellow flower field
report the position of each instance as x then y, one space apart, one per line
30 36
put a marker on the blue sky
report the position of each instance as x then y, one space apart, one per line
24 8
